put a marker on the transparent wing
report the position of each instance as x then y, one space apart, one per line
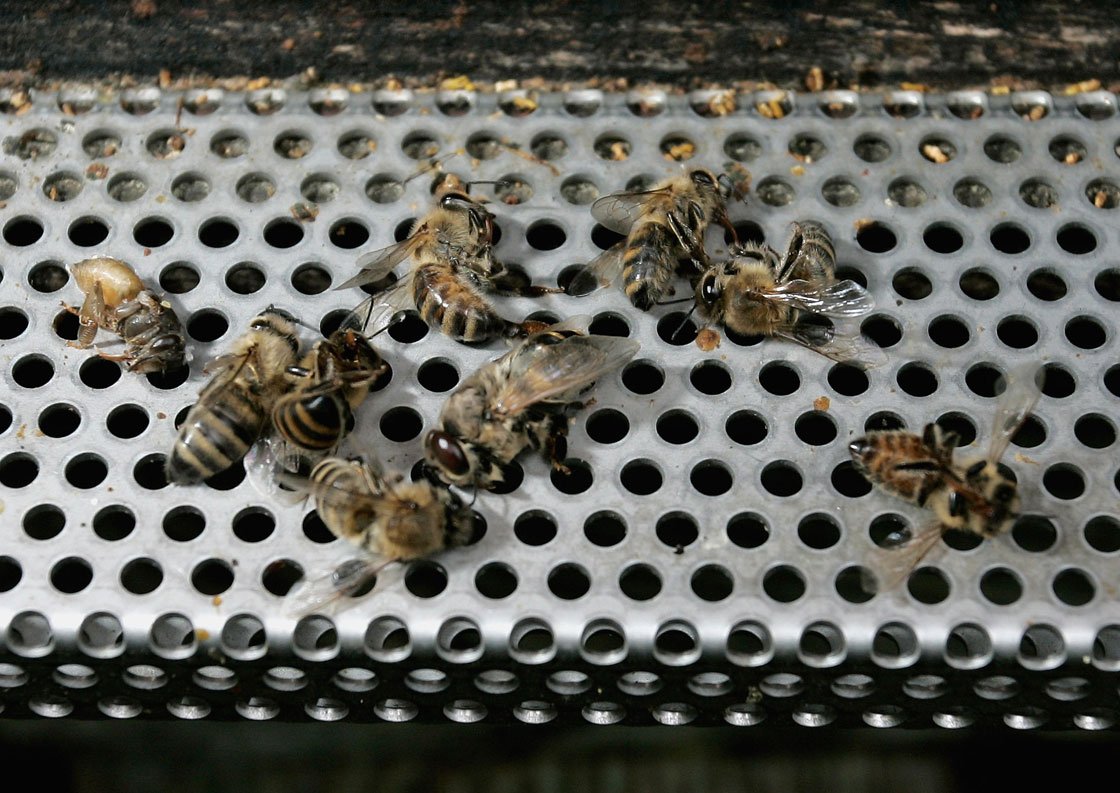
839 299
601 271
619 211
539 372
375 265
840 343
333 591
1016 402
377 312
903 552
272 467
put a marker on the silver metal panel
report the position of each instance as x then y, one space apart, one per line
705 667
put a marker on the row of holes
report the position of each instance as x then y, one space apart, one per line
641 477
676 643
513 189
569 581
535 528
311 278
542 235
641 377
602 712
1015 331
565 682
769 104
608 426
169 144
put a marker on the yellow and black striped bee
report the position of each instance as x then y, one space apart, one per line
757 292
326 388
662 226
523 399
117 300
452 269
388 517
975 497
233 408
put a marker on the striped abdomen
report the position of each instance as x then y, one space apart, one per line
217 433
648 264
343 499
900 463
447 302
154 334
314 420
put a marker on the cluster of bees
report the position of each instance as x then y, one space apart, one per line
290 411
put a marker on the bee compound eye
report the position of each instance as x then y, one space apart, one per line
703 179
448 453
709 288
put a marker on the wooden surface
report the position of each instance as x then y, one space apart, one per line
866 44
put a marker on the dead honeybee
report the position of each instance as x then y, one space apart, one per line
389 518
662 226
326 387
975 497
520 400
233 408
452 268
759 293
117 300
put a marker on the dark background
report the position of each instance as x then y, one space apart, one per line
863 43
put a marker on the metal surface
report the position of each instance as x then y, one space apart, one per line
742 608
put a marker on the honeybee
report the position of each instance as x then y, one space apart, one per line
522 399
662 226
452 268
975 497
117 300
758 292
233 408
327 386
389 518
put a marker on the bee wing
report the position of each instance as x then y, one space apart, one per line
375 265
1016 402
619 211
894 563
838 299
601 271
377 312
332 591
540 372
271 465
845 345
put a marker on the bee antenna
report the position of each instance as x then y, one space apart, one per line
433 164
674 302
684 322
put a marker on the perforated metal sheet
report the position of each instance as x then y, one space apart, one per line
984 236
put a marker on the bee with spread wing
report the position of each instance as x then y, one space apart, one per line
389 518
758 292
522 399
662 226
451 270
976 497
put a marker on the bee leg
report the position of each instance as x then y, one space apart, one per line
515 282
123 357
523 329
556 443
